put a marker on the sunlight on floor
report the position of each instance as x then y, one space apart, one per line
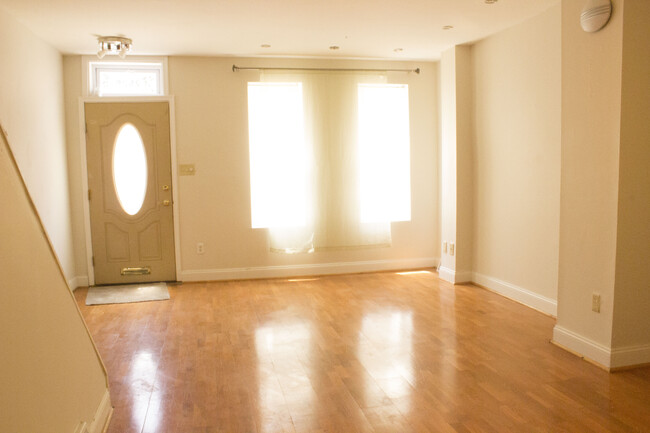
413 272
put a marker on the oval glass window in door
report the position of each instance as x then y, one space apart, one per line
129 169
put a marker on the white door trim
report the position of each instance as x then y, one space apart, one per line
84 174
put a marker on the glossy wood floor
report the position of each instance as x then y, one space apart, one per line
370 353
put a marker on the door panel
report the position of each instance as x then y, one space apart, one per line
139 247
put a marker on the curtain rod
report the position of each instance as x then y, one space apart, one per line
236 68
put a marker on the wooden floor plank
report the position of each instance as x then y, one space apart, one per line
353 353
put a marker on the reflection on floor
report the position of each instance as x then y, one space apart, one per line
380 352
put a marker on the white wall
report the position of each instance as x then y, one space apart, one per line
72 92
516 168
631 328
456 164
212 133
448 160
605 207
591 125
51 379
31 112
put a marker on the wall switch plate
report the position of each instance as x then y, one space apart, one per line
452 248
595 303
187 170
200 248
444 247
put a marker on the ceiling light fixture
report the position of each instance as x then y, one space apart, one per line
334 47
398 50
490 2
265 46
116 45
447 27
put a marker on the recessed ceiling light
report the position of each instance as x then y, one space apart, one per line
265 46
334 47
447 27
398 50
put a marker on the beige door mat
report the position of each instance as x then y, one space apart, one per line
98 295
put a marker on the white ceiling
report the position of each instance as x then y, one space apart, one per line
362 28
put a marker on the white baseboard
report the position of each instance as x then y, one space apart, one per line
447 274
454 277
631 355
519 294
582 346
306 269
103 414
78 281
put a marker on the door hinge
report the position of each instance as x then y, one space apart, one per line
89 195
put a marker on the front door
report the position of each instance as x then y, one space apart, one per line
130 192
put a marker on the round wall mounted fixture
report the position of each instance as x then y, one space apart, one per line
595 15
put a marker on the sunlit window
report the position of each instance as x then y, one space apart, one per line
279 167
327 172
384 153
126 79
130 169
128 83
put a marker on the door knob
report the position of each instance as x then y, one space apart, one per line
166 202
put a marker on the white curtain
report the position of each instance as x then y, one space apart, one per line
331 173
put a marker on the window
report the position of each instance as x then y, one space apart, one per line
278 155
384 153
130 169
126 78
329 160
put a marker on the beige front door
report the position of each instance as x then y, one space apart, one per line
129 182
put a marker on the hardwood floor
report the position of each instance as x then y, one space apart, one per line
369 353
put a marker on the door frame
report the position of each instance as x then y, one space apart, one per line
84 173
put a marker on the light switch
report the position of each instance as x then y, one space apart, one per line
187 170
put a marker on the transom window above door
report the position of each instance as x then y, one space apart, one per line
127 78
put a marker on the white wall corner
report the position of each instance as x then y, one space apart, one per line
516 293
582 346
464 277
102 415
455 277
306 269
630 356
78 281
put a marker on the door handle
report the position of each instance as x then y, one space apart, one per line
166 203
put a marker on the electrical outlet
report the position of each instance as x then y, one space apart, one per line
452 248
200 248
595 302
444 247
